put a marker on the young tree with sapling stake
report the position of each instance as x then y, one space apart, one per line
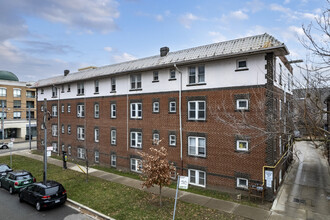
156 168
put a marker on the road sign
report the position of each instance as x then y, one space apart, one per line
49 153
50 148
183 184
10 144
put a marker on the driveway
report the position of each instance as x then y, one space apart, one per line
305 193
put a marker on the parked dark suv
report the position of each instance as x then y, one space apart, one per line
44 195
16 180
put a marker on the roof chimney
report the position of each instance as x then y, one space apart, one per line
66 72
164 51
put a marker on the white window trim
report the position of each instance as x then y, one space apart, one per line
155 107
136 111
136 164
96 87
113 84
136 79
155 138
81 133
196 154
80 88
96 156
197 177
113 160
113 111
242 149
96 135
69 108
242 186
19 91
5 92
172 138
96 110
80 111
62 108
237 64
63 129
137 143
170 106
81 153
69 150
69 129
54 145
242 100
196 111
54 130
113 137
54 111
196 76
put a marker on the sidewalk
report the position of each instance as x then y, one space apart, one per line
221 205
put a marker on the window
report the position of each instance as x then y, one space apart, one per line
136 139
155 76
242 145
280 144
136 110
136 165
17 93
172 140
54 110
63 129
62 88
194 77
30 94
172 74
80 88
280 176
136 82
113 160
280 76
63 147
81 153
113 111
197 146
69 108
4 115
96 86
242 183
69 129
31 114
69 150
241 64
3 92
172 106
54 92
30 104
113 84
69 88
196 110
96 134
62 108
17 115
81 133
155 138
155 107
17 103
41 91
4 103
80 110
42 126
280 109
42 108
96 110
54 130
242 104
54 145
97 156
113 137
197 177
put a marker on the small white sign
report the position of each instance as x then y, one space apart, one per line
269 178
49 153
12 139
10 144
183 182
50 148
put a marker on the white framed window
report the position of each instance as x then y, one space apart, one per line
172 74
113 160
155 76
54 145
81 153
155 138
69 129
54 130
69 87
80 133
42 126
69 108
69 150
136 81
42 108
63 129
3 92
113 137
136 165
63 147
113 84
96 110
280 108
17 93
136 110
136 139
97 156
172 106
17 115
197 146
242 183
280 75
80 110
113 111
196 110
96 134
96 86
155 107
242 145
62 108
242 104
80 88
280 176
241 64
197 177
54 92
196 74
172 140
54 110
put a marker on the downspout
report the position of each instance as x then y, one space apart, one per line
180 115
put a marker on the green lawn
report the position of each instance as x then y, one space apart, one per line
115 200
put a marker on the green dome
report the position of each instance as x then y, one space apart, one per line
6 75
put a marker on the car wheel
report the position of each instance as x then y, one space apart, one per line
11 191
20 197
4 147
38 206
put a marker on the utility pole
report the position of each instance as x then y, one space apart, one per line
2 121
30 126
45 141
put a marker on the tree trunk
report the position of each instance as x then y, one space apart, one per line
160 195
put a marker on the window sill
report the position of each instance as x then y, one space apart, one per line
173 79
138 148
114 91
155 112
135 118
171 112
172 145
80 94
241 69
242 110
242 151
193 184
197 120
68 91
155 81
112 117
96 93
196 84
196 156
132 90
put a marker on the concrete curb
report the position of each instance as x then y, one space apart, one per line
87 210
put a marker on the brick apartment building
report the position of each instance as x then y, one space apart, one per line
191 100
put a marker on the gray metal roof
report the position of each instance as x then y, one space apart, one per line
253 44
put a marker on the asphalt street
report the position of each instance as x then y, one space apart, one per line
20 146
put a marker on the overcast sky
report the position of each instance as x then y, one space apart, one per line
41 38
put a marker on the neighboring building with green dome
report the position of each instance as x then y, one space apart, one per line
15 99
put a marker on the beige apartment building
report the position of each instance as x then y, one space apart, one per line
16 98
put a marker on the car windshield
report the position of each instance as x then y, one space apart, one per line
4 168
52 190
24 177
